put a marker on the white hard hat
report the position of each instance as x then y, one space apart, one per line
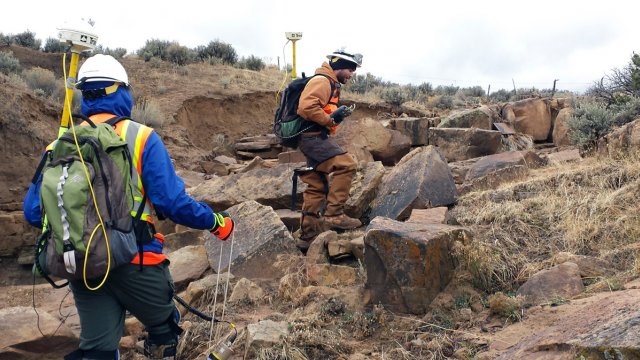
102 67
346 55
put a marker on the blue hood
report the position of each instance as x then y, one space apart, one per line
119 103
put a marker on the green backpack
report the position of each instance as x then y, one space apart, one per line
86 204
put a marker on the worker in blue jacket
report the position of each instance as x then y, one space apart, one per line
147 294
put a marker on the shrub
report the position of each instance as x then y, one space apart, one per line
251 63
148 112
446 90
626 111
117 53
501 95
9 64
590 121
178 54
41 79
153 48
5 40
218 49
474 91
394 95
27 39
53 45
444 102
426 88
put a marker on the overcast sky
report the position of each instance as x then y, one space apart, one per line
464 43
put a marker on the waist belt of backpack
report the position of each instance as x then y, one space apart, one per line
294 190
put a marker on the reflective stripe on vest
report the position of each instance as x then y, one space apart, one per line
136 136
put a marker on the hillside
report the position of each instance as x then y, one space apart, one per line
534 217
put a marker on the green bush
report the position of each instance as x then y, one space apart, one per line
590 121
473 91
26 39
218 49
53 45
446 90
153 48
627 111
251 63
178 54
394 95
501 95
41 79
426 88
9 64
117 53
5 40
445 102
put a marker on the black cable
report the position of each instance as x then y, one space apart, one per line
195 311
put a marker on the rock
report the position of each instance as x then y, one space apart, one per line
530 116
461 144
438 215
177 240
479 118
408 264
259 236
564 156
560 134
414 128
22 340
264 334
560 282
188 264
590 267
491 163
622 140
247 291
369 135
421 180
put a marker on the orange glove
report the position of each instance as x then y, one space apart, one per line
333 129
223 225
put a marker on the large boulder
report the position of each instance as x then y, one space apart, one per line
408 264
421 180
415 128
22 340
364 188
268 186
460 144
530 116
560 134
559 282
258 238
479 118
383 144
622 140
491 163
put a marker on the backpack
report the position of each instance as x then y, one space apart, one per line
287 124
86 204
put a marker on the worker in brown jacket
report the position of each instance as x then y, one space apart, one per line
318 105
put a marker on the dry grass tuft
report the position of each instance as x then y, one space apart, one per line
505 306
588 209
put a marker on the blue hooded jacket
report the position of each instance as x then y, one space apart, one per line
164 189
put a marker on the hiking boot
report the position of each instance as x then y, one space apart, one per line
342 222
311 227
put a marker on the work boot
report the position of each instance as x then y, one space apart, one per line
342 222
